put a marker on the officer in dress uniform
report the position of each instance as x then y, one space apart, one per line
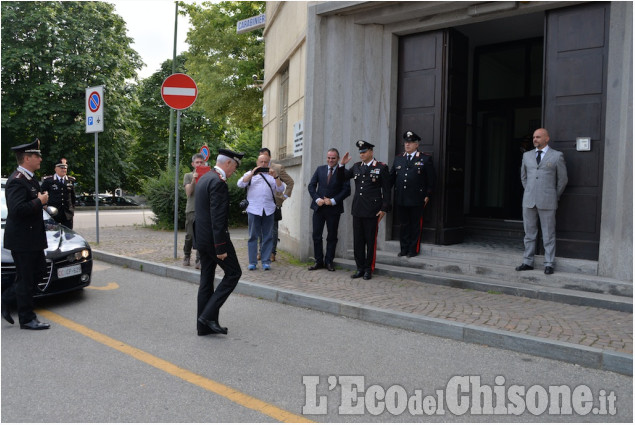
371 202
412 175
61 189
211 239
25 235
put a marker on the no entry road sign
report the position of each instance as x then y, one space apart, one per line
179 91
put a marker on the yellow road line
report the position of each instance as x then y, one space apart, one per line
184 374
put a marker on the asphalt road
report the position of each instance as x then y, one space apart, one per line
126 350
85 219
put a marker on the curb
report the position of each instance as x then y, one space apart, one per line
542 347
539 292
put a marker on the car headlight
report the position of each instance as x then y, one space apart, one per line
84 253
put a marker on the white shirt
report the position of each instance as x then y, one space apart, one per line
259 193
25 171
544 151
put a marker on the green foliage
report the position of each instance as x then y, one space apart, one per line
51 52
159 193
222 62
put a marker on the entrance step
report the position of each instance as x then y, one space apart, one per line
479 268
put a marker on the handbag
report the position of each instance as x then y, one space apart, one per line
277 214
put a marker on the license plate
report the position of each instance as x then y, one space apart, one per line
69 271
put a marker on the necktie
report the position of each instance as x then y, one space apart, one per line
328 178
538 158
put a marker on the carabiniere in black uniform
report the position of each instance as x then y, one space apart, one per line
25 237
61 196
371 195
413 182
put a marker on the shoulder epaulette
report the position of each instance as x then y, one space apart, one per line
47 177
71 178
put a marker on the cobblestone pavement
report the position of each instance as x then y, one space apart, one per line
589 326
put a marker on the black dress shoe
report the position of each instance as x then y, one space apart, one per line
203 332
35 325
368 276
523 267
412 254
548 270
7 315
402 254
330 267
316 266
213 326
357 274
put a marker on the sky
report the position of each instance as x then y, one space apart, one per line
150 24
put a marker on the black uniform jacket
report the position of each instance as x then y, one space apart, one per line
372 188
61 195
24 229
414 181
337 188
211 224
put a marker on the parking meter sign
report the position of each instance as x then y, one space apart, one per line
95 109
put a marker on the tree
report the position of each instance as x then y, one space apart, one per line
223 63
51 52
150 149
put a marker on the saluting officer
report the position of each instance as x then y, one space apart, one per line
413 177
371 202
61 189
25 235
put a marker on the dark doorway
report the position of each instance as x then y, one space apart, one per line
507 98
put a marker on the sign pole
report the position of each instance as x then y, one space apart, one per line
97 187
95 124
176 180
179 92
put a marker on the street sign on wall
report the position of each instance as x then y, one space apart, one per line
95 109
179 91
250 24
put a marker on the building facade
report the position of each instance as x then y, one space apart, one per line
473 79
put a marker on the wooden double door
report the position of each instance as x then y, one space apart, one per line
438 99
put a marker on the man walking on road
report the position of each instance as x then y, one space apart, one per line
211 230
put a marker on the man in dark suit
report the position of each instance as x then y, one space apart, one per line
412 175
211 239
327 195
61 189
25 235
371 202
543 174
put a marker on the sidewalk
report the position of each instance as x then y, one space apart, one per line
588 336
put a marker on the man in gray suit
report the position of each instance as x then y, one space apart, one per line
544 177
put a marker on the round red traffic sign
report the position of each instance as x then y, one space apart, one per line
205 152
94 102
179 91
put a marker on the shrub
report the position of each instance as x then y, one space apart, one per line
159 194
